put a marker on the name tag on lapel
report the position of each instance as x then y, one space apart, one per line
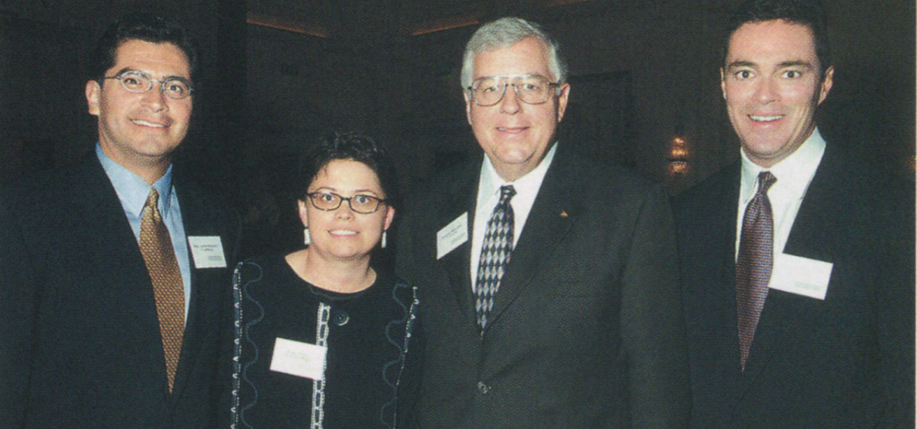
207 252
452 236
299 359
801 276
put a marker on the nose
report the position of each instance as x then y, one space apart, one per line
344 211
767 91
510 103
156 99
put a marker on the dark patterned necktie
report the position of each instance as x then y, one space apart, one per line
168 289
754 263
495 254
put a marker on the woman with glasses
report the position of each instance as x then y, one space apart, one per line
322 335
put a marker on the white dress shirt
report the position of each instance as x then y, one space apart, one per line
489 185
793 177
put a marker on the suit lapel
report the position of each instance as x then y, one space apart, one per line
819 211
457 263
196 321
118 250
100 199
121 263
204 309
556 209
722 235
782 310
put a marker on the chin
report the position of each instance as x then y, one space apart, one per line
350 255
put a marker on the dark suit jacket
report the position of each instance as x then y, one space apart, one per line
845 362
79 337
586 330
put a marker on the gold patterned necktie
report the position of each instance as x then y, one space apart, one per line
168 289
754 263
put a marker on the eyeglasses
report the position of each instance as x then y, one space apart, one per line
530 89
328 201
137 82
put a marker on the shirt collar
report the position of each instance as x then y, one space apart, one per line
132 190
526 186
793 173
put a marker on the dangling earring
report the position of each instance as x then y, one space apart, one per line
383 239
307 239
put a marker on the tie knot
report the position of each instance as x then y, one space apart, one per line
765 180
506 193
152 203
153 199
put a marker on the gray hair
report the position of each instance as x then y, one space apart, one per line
506 32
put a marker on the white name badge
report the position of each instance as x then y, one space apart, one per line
452 236
299 359
801 276
207 252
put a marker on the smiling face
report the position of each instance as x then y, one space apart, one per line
515 135
141 130
343 234
772 88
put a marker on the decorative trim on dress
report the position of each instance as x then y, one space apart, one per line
318 386
237 412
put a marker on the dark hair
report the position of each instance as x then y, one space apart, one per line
140 26
803 12
355 147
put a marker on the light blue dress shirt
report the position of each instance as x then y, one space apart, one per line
133 192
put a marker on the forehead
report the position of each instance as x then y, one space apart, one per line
527 56
347 174
777 41
164 59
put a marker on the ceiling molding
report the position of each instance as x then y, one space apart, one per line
441 24
287 25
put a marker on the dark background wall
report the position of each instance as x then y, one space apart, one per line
279 73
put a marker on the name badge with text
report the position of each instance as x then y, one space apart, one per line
299 359
207 252
801 276
452 236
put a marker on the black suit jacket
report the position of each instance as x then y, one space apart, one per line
79 337
586 330
844 362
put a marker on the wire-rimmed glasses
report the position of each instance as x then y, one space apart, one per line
530 89
137 82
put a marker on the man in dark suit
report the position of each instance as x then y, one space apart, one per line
548 293
798 260
115 278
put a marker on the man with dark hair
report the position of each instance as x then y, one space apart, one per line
548 294
797 260
115 270
145 27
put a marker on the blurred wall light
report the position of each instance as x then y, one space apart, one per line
678 156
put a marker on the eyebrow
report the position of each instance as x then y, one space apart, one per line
125 69
129 69
736 64
369 192
513 76
783 65
805 64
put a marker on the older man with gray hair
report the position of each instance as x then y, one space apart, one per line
547 281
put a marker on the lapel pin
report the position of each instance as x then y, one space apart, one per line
563 213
